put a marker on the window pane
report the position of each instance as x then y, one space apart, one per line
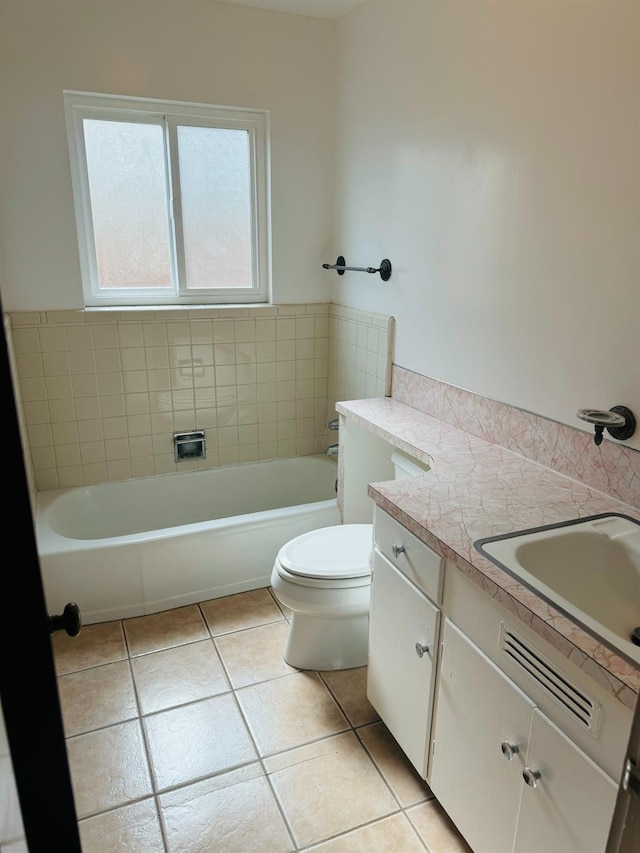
215 186
127 183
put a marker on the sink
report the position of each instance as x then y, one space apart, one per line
588 569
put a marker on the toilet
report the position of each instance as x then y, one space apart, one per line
324 578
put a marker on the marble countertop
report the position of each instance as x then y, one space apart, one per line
477 489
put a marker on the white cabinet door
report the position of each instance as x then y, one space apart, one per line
571 806
480 714
400 677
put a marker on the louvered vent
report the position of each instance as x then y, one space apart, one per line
571 698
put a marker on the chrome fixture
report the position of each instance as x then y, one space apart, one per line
332 450
334 424
397 550
619 421
531 776
189 445
421 649
509 749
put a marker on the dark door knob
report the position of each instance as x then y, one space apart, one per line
69 620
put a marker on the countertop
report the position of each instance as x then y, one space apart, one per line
477 489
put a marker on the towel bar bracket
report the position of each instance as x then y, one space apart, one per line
340 267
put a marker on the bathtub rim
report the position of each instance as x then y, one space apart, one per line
50 542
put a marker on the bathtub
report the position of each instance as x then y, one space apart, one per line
145 545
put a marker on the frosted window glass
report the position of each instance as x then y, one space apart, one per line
126 170
215 187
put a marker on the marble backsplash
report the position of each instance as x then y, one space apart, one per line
609 467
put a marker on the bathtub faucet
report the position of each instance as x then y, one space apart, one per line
332 451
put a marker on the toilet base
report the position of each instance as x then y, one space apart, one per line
324 644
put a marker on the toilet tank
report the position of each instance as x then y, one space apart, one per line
406 466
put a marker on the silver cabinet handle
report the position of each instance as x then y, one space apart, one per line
509 749
421 650
531 777
398 549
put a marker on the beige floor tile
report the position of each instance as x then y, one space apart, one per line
165 630
436 829
290 711
349 686
390 835
399 773
328 787
98 697
255 655
108 768
134 828
244 610
94 645
178 676
235 812
194 741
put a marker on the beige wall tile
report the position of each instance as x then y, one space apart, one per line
88 367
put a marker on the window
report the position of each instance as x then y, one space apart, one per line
171 201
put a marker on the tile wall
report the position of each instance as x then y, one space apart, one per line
360 355
101 393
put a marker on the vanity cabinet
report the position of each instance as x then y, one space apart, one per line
404 623
508 777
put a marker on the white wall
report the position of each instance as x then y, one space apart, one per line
491 150
188 50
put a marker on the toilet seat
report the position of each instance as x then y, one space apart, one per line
341 552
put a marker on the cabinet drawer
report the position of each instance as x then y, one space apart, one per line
419 563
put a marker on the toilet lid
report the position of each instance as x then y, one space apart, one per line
342 551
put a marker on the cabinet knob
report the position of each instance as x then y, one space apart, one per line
398 549
421 650
531 777
509 749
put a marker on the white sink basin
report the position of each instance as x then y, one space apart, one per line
588 569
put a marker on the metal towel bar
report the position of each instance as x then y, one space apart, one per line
384 269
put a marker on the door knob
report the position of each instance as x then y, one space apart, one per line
69 620
421 650
397 550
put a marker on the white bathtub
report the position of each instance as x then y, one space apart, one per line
145 545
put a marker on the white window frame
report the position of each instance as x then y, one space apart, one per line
168 114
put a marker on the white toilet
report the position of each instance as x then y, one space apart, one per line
324 578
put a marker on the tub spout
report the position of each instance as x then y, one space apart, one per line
332 451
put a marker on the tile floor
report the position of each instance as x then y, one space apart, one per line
186 731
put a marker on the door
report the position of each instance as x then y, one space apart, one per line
403 636
568 809
481 735
28 688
